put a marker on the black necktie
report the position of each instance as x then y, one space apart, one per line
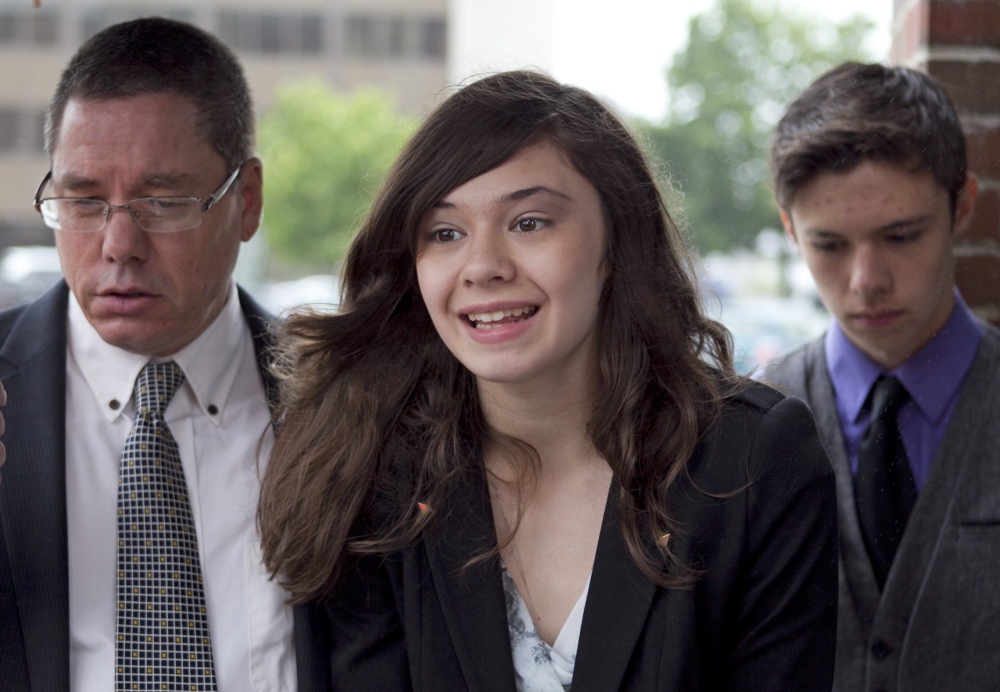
884 484
162 638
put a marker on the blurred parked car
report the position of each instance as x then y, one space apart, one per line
320 292
27 272
766 327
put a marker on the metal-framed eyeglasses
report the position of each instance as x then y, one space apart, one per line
153 214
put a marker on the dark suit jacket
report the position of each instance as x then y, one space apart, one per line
761 616
936 624
34 582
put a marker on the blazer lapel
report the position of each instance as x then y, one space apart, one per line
33 487
472 598
855 562
617 606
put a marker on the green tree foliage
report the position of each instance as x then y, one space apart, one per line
324 153
744 62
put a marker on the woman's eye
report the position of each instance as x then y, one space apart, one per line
444 235
528 225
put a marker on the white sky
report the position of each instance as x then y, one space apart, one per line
621 48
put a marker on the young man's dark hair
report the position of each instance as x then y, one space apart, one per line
869 170
162 56
859 112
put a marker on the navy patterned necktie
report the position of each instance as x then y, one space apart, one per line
162 638
884 486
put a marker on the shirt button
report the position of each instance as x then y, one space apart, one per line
881 649
212 409
114 404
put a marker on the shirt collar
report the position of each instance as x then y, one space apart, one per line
932 375
210 362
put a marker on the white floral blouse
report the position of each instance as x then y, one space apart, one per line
539 667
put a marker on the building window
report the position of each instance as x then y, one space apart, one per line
21 131
8 130
434 39
361 37
99 18
31 27
395 37
271 32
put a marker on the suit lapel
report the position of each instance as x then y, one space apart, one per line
33 487
264 341
472 598
617 606
854 557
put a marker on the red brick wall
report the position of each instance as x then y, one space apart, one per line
958 42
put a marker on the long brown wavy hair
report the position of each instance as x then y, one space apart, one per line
376 412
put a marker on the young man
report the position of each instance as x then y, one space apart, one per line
129 558
869 169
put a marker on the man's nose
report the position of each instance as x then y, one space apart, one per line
870 273
124 240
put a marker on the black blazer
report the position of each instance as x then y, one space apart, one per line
762 616
34 581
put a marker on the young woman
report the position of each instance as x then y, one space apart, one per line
519 457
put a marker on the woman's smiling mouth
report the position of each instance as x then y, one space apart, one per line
500 318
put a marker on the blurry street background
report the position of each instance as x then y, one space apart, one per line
340 84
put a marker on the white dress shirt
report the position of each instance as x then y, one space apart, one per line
218 418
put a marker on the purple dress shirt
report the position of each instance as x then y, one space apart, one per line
933 377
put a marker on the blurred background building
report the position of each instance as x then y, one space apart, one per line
339 85
397 45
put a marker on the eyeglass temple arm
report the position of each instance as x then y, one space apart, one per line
223 189
38 192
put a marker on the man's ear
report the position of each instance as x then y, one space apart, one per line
786 221
965 205
252 194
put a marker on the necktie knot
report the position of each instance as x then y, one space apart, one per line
156 385
888 396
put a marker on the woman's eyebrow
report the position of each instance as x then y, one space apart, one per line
519 195
515 196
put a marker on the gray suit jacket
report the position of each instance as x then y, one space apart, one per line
936 625
34 579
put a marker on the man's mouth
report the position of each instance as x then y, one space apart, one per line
126 293
877 317
492 320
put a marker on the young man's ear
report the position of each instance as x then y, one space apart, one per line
786 221
965 205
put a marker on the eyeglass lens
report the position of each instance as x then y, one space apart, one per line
151 213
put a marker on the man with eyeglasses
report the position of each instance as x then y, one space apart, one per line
139 392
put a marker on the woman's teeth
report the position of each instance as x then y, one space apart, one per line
484 320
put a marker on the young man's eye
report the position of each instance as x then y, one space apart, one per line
906 237
826 245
